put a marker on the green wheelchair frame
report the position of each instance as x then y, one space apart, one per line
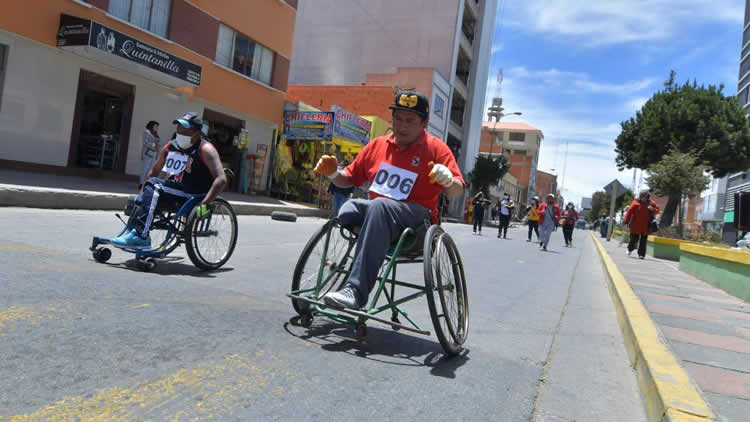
444 282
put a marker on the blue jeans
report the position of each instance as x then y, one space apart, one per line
338 200
381 220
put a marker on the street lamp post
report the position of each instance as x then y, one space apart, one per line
496 111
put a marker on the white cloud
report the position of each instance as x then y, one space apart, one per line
578 81
635 104
609 22
498 47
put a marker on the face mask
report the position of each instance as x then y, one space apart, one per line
183 141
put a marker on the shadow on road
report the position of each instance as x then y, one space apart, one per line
381 345
170 267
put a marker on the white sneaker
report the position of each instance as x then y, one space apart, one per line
345 298
629 253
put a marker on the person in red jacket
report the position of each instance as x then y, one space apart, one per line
569 218
638 217
549 213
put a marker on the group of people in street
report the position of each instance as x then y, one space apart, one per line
543 218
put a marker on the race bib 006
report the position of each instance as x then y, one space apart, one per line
393 182
175 163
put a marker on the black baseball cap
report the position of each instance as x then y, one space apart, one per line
189 121
412 101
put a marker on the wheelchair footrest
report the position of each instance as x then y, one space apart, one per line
359 314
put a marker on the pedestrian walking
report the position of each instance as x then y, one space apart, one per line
549 212
604 226
506 206
479 203
533 213
639 216
568 222
149 149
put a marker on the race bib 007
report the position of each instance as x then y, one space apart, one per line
393 182
175 163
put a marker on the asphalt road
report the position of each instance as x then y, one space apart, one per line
79 339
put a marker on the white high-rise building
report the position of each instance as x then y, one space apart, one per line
341 42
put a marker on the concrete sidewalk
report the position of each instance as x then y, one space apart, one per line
707 329
38 190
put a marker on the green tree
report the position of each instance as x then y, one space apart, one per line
600 203
686 118
487 172
677 175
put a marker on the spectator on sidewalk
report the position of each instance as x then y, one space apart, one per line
506 206
533 212
549 212
568 222
479 204
149 149
638 217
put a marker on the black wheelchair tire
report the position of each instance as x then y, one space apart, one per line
192 249
284 216
451 337
300 307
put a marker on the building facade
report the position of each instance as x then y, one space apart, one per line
738 182
358 42
546 183
520 143
79 80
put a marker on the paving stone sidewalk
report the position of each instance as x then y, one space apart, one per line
708 329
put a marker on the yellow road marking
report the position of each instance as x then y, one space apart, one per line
19 247
207 391
11 317
666 387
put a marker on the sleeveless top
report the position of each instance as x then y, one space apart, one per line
196 178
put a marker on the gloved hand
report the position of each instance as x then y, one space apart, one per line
202 211
440 174
327 166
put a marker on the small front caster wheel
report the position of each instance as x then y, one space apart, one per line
306 320
147 265
102 254
361 331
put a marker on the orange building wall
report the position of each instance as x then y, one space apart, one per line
419 78
268 22
220 86
545 183
361 100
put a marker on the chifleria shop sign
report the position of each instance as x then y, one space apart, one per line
77 32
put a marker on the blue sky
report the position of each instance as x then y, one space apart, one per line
577 69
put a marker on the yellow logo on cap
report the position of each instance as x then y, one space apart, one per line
408 100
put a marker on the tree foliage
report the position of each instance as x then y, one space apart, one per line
487 172
677 174
600 203
687 118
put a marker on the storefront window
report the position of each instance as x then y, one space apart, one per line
244 55
151 15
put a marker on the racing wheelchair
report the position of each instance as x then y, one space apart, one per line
209 239
326 262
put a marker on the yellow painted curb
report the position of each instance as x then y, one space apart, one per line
740 257
668 391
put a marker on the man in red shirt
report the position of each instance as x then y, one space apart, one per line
407 171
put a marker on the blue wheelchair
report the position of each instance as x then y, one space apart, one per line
209 239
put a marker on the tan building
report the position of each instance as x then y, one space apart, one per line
520 142
79 80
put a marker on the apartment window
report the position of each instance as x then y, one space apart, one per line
3 64
244 55
439 105
516 136
519 152
151 15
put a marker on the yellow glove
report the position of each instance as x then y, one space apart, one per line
327 166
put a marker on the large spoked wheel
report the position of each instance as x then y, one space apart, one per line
210 240
332 264
447 297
